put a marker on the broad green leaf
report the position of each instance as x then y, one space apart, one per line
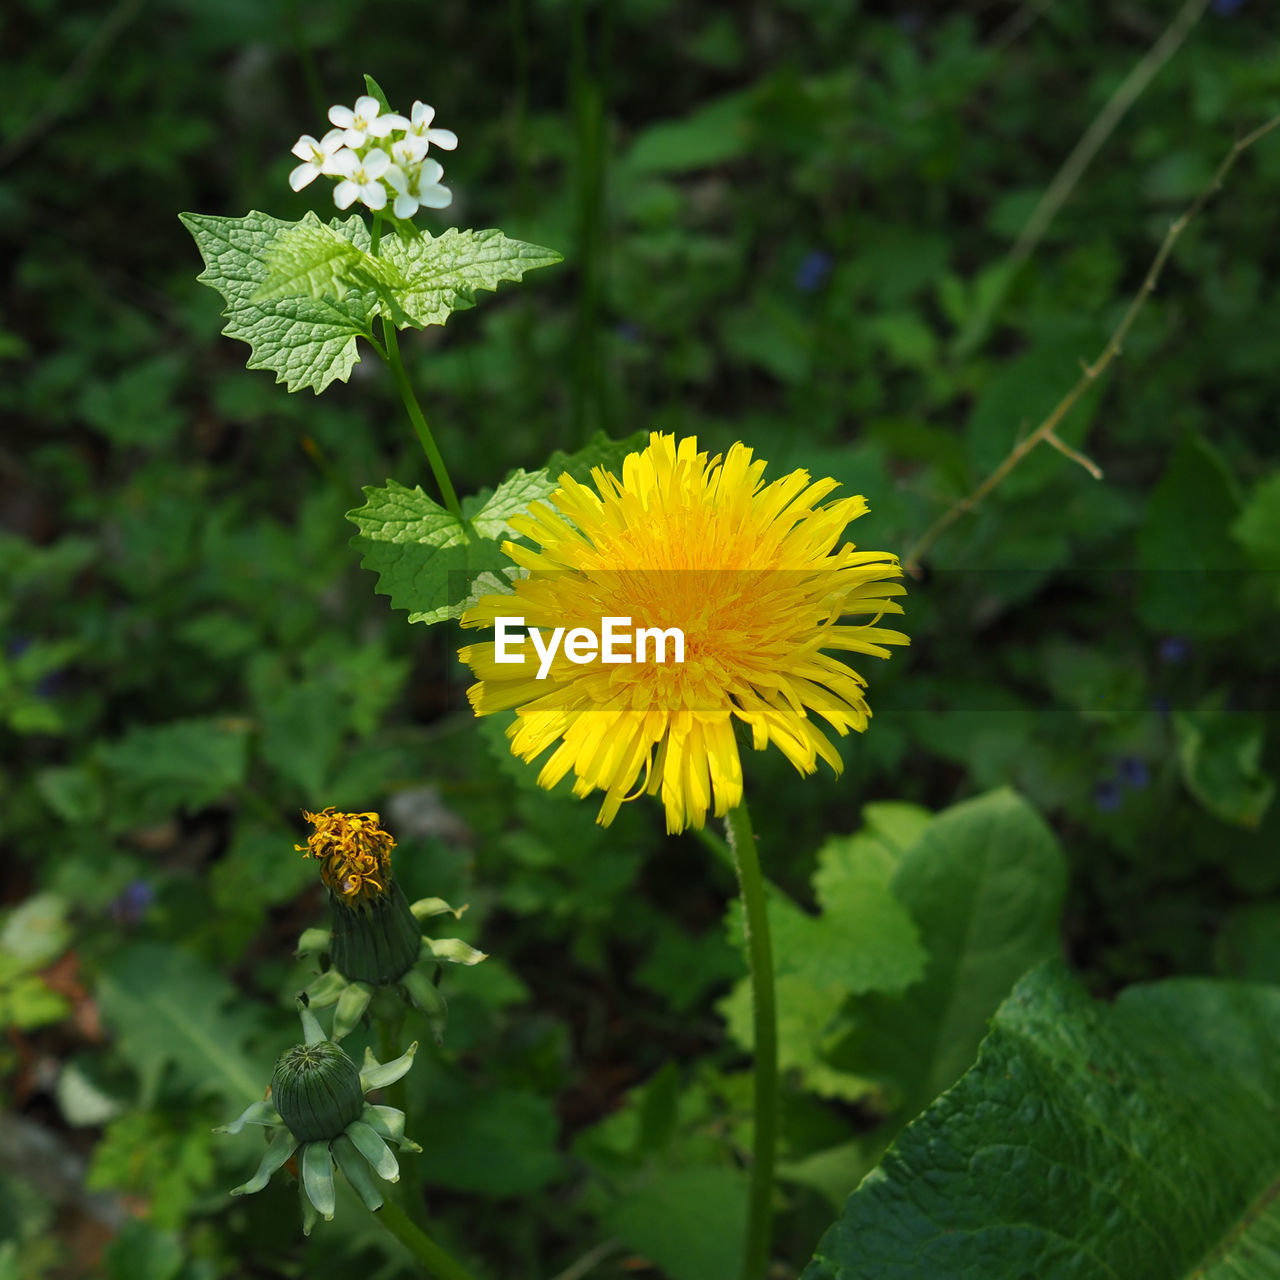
984 885
1137 1140
307 342
308 259
167 1011
689 1222
156 769
1220 754
442 273
1190 582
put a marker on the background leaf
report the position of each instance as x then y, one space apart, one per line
984 884
168 1012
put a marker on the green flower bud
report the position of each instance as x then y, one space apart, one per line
316 1089
378 941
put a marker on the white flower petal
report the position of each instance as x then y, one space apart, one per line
374 194
305 147
332 140
405 206
345 193
394 121
367 106
376 163
422 115
343 117
344 162
354 137
397 177
306 172
445 138
435 197
340 163
432 172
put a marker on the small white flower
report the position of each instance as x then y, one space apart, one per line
364 121
316 156
420 127
360 179
420 189
407 152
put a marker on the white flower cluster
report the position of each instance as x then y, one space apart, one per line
377 157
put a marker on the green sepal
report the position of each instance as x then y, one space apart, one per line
351 1162
326 989
370 1145
312 1032
317 1177
425 908
351 1006
375 1075
452 950
427 998
309 1215
388 1124
282 1146
255 1113
314 942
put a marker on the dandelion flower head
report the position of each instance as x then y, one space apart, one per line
752 574
354 853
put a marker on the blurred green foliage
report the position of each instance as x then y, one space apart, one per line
788 226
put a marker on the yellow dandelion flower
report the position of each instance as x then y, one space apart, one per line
354 853
749 575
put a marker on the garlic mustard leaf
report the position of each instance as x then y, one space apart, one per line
443 272
307 341
309 259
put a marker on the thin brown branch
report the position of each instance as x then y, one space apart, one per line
1046 432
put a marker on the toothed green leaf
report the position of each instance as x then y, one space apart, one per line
306 341
442 273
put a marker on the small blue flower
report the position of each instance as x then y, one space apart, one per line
813 271
1106 796
1174 649
132 904
1132 772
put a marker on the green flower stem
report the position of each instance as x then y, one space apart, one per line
755 1259
390 352
422 1246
